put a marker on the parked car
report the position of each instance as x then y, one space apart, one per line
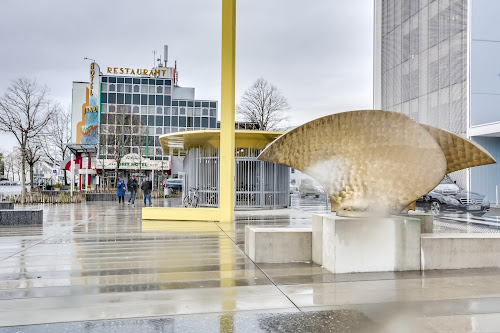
4 183
308 188
174 183
449 197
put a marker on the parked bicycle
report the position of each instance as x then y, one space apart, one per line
191 198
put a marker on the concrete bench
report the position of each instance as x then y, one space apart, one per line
6 205
100 197
278 245
459 251
21 217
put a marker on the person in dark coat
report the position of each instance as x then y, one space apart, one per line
120 191
146 187
132 190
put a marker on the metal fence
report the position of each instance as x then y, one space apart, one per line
257 184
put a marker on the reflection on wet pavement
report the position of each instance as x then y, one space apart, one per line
93 267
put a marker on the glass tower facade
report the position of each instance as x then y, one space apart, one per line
423 60
420 65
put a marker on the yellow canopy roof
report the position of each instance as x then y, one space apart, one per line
180 142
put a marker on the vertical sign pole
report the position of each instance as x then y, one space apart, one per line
227 107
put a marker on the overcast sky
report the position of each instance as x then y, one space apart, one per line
318 53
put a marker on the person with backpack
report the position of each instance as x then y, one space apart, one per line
146 187
132 190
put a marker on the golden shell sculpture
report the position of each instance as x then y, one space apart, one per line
373 161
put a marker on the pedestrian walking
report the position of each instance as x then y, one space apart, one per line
146 187
132 190
120 191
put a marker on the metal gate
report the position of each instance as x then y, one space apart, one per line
257 184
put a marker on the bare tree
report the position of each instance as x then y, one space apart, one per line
263 105
57 134
9 165
24 111
33 154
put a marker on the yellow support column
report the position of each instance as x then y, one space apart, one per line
226 180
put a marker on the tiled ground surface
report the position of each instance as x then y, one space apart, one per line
98 267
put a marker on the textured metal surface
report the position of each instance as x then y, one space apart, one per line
366 160
460 153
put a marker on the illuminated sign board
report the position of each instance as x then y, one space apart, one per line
162 71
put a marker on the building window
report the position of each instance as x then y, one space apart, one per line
167 91
128 98
136 109
175 121
112 109
213 104
112 79
104 98
120 99
112 98
120 80
175 110
197 122
144 99
182 111
104 87
166 100
104 108
166 110
159 90
136 99
204 122
104 79
159 100
112 87
213 112
182 103
120 88
137 88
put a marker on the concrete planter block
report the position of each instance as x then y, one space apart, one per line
351 245
278 245
6 205
21 217
459 251
101 196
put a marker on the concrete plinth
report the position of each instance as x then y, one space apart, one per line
278 245
459 251
426 221
21 217
6 205
350 245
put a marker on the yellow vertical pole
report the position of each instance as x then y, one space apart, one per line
226 181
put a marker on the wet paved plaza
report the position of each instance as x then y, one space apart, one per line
98 267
